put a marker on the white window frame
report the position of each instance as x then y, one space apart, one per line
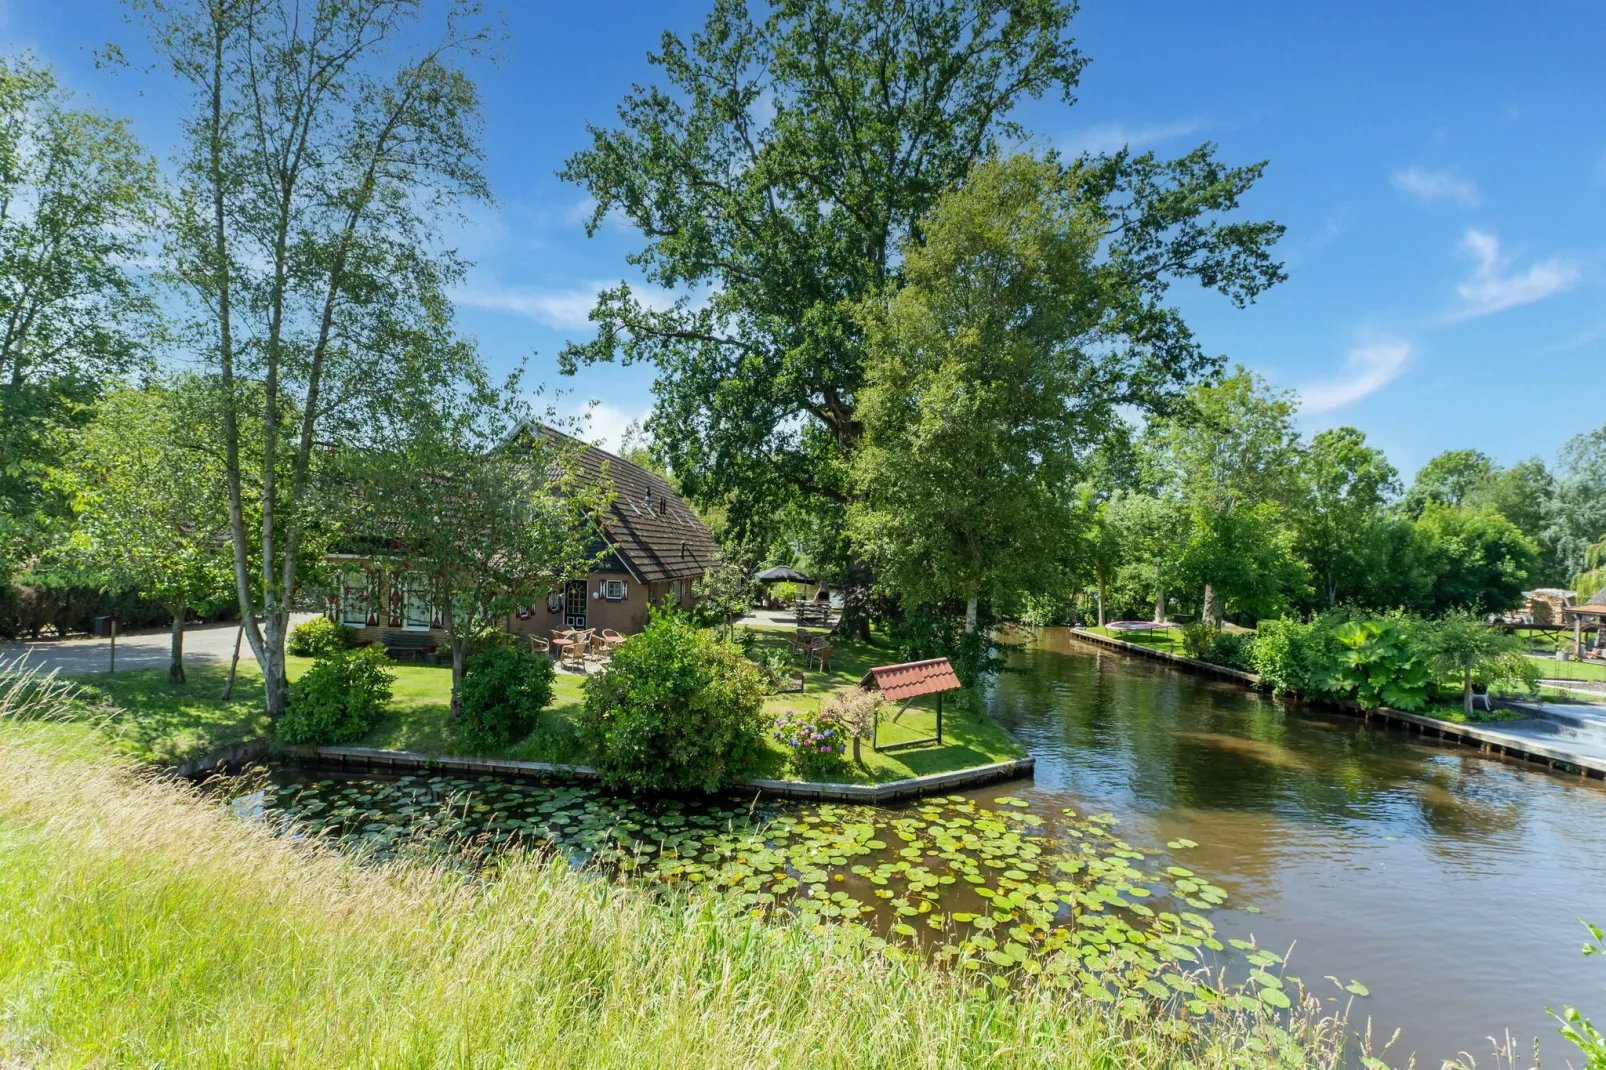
615 590
356 599
415 595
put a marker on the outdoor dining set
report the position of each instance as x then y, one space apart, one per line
578 647
810 647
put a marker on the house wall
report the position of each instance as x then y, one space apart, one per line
627 615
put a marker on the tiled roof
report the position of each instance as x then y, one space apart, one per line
913 679
655 534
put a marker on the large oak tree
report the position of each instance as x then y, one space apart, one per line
778 167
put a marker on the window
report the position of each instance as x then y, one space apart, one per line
356 598
615 590
417 614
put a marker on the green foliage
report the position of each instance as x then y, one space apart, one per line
77 197
1374 661
1578 1030
779 163
677 708
1346 485
319 637
1475 655
1479 561
503 693
69 601
1206 642
1294 657
723 594
339 698
1451 478
1199 638
1380 665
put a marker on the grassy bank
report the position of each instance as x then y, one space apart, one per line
141 925
156 721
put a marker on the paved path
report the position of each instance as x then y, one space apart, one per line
147 648
1572 731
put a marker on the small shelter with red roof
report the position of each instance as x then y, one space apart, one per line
905 683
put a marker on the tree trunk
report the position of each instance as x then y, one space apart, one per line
1101 594
1466 691
1211 612
175 671
234 664
1159 607
970 615
458 652
275 682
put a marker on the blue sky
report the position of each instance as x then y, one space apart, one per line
1441 169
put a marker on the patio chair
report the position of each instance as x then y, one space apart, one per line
581 646
539 645
822 654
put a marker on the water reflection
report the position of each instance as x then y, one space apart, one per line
1447 880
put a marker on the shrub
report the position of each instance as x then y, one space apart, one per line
502 695
1382 666
319 637
339 698
1378 661
815 744
677 708
1199 639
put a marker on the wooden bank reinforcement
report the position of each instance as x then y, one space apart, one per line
1489 740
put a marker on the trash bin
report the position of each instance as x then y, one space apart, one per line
103 627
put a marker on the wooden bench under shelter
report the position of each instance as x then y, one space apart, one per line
905 683
413 644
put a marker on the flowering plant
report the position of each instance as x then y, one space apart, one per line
814 743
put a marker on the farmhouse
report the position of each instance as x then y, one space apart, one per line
655 549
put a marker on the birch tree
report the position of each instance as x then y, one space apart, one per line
320 150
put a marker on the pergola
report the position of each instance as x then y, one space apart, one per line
905 683
1595 611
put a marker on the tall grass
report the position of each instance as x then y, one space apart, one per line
141 924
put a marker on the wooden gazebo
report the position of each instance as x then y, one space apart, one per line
1594 613
905 683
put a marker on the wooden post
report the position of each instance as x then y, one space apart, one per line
113 635
939 718
1578 636
228 685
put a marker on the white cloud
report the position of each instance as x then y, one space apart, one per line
1488 291
1367 369
561 309
605 424
1110 137
1437 186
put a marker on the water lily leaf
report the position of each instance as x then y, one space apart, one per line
1357 989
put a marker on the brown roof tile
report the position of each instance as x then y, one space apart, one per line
912 679
651 528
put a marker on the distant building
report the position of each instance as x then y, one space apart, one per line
655 549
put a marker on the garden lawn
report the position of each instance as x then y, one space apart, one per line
156 721
1166 639
970 736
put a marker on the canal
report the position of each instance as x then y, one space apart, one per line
1448 882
